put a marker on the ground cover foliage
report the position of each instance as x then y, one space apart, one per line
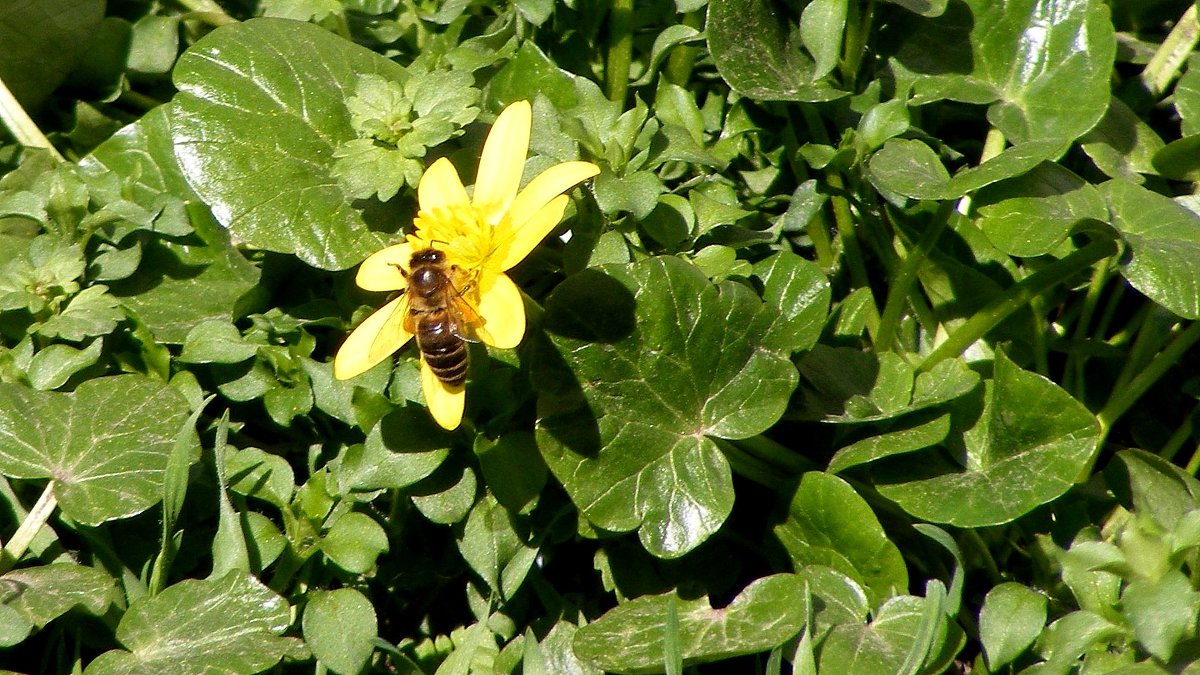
870 349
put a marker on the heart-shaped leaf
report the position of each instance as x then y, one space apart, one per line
340 627
229 625
883 645
1043 65
260 111
1014 458
629 638
104 445
649 363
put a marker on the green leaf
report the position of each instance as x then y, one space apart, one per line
494 549
1122 145
216 342
846 385
340 628
42 594
1011 619
799 292
54 365
1032 214
105 445
405 447
883 645
1069 637
1162 611
910 168
760 55
629 638
1164 246
355 542
446 497
1014 457
897 442
229 625
643 389
142 154
829 524
1153 487
254 473
92 312
1043 66
260 111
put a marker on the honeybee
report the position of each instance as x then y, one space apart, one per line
437 315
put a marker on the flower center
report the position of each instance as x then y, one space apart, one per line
461 232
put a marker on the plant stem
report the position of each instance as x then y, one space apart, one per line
21 126
1172 53
1015 297
858 30
620 49
29 528
1124 397
1179 436
207 11
906 276
683 58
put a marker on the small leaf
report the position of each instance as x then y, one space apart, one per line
1164 246
829 524
883 645
254 473
513 469
54 365
340 628
1011 619
494 549
891 443
231 625
629 638
92 312
216 342
799 291
1032 214
405 447
355 542
105 445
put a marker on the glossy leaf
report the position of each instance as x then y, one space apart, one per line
105 445
882 645
632 415
42 594
1032 214
829 524
229 625
260 110
1013 459
495 549
629 638
1164 246
1042 65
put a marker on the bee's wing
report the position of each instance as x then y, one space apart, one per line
395 331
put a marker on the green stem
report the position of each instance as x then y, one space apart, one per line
620 49
906 277
21 126
748 466
683 58
1016 297
1124 397
29 528
1180 436
858 31
1073 371
780 457
207 11
1153 330
1172 54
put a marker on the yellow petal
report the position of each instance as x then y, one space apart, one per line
445 402
503 311
373 341
546 186
503 160
381 270
440 187
523 239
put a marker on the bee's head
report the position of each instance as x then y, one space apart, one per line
427 256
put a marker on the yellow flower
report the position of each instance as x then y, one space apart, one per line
480 236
